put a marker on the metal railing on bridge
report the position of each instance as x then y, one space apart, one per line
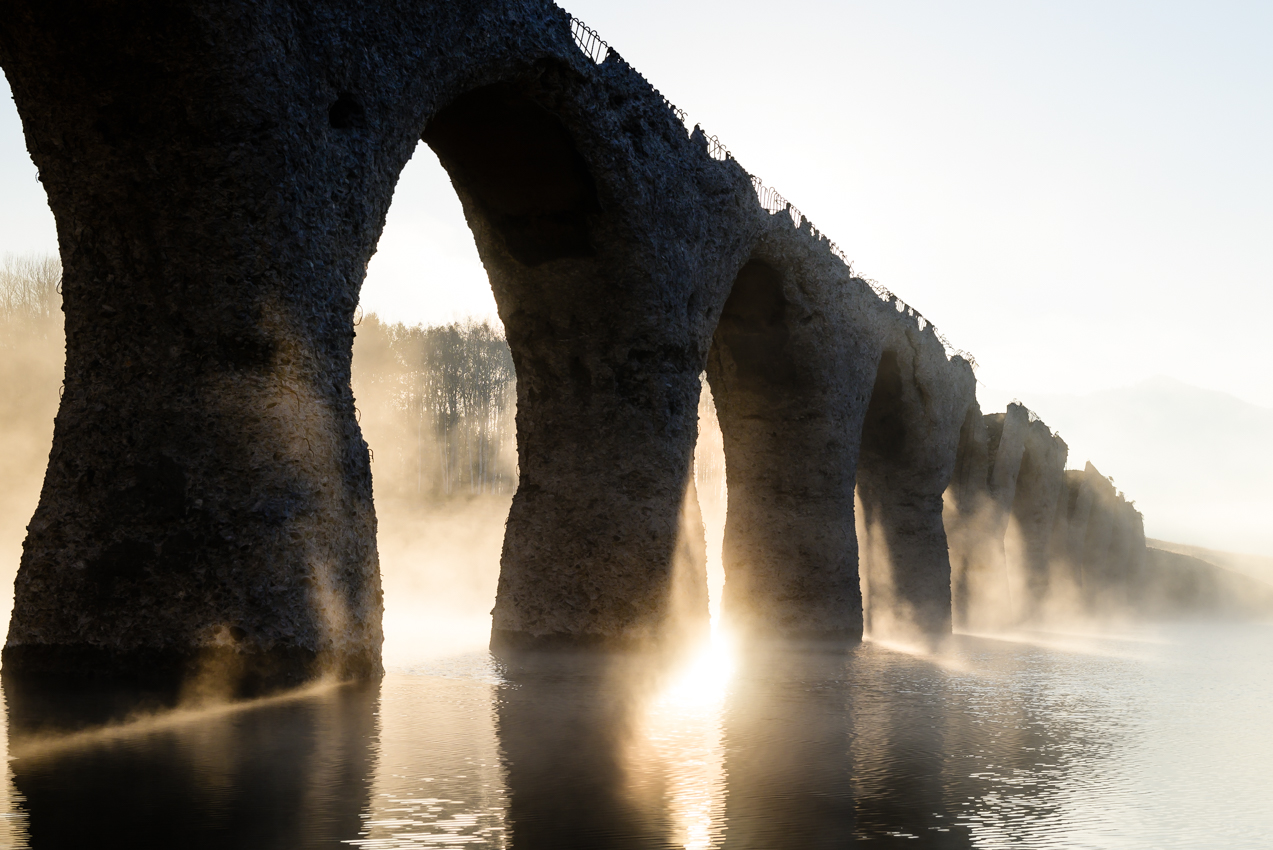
599 50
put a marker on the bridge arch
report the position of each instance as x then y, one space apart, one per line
788 371
209 494
590 223
910 438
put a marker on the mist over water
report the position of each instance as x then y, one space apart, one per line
31 356
1136 740
1058 732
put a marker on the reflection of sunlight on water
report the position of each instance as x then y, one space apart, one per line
702 680
415 634
941 657
143 724
682 738
1096 645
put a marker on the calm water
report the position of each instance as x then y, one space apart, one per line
1157 738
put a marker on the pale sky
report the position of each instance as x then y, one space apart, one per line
1078 192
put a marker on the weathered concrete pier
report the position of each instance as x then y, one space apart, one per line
1027 535
220 174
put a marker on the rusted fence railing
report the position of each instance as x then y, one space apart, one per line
593 45
598 50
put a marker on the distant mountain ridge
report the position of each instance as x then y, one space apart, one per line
1259 567
1198 463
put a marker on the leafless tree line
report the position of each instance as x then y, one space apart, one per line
30 298
32 353
438 404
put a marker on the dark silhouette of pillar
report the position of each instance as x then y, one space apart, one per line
790 370
595 251
963 511
910 439
1098 536
219 176
1079 495
1002 594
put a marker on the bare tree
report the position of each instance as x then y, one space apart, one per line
450 391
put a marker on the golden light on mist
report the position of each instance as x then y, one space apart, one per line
681 737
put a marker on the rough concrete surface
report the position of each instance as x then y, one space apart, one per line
964 507
990 459
1031 541
220 174
790 369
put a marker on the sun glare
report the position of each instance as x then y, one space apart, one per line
683 736
703 679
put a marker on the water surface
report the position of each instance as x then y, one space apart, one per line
1154 738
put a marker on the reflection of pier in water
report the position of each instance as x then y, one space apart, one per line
290 772
784 749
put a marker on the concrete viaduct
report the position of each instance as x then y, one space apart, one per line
220 173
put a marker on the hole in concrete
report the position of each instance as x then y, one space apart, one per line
347 113
518 161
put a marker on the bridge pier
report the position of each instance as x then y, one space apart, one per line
1098 537
207 509
1039 485
990 464
790 370
964 509
220 177
599 260
910 439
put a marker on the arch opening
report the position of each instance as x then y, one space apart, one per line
604 540
519 162
903 470
753 332
789 553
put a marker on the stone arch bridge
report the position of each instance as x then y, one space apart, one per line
220 173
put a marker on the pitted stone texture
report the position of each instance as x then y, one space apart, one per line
965 507
609 237
1099 531
1113 549
790 370
984 588
219 174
